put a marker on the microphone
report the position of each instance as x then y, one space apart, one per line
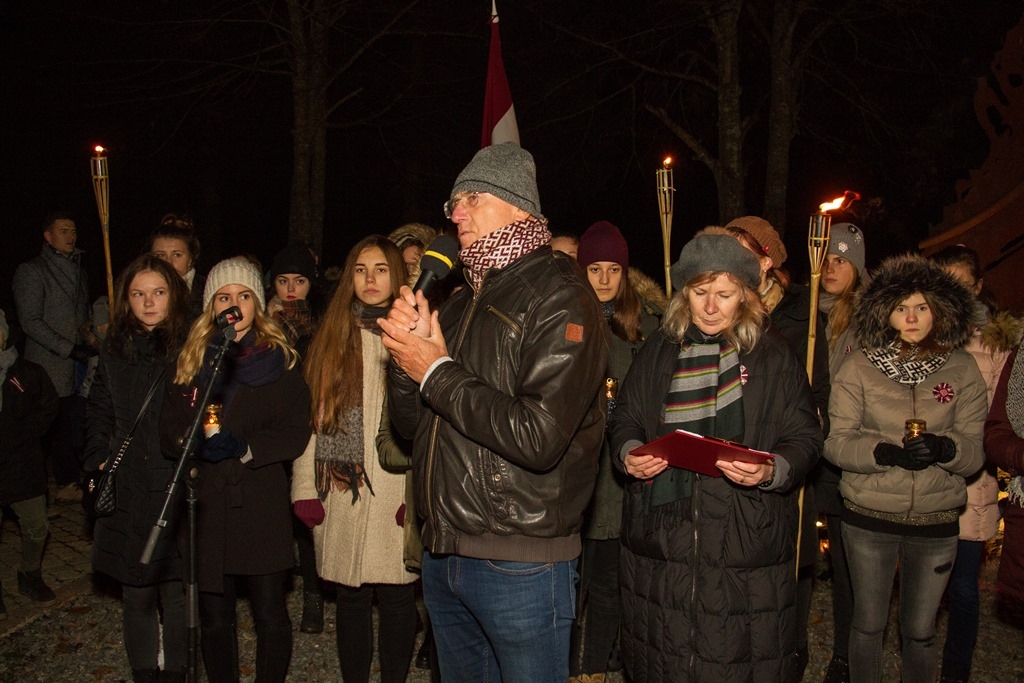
436 263
226 320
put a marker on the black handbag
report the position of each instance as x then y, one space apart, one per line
99 495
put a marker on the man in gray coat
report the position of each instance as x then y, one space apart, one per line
51 296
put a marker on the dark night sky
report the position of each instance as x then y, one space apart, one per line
224 155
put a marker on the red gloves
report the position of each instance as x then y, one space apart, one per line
311 511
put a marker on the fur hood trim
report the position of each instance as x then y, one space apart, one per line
1002 332
418 232
955 315
652 297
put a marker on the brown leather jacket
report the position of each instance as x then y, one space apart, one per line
507 433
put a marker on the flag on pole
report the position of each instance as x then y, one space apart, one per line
499 114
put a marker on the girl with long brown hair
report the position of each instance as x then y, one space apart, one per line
338 486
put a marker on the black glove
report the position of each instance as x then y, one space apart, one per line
931 448
82 353
890 455
222 446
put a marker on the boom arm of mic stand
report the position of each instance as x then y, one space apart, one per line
188 447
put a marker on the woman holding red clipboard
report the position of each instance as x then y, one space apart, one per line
707 569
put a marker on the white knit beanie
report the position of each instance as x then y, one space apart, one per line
234 271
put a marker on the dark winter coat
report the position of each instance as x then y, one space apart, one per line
791 319
603 519
51 295
244 510
29 406
1005 448
141 479
708 582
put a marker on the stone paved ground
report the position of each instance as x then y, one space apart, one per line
79 639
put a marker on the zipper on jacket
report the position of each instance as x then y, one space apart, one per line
516 327
695 515
467 317
913 475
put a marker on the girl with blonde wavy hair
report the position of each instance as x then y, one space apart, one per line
244 525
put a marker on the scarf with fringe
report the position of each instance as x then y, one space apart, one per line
338 458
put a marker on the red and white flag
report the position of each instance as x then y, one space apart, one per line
499 114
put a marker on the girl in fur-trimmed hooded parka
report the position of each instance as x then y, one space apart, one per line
902 497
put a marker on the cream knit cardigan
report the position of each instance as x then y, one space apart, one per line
360 543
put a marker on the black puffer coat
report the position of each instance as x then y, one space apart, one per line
29 406
791 319
117 394
708 582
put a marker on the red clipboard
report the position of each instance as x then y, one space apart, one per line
698 453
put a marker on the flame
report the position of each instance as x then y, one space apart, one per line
100 150
666 162
848 197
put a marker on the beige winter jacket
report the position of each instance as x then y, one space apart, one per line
360 542
979 520
867 407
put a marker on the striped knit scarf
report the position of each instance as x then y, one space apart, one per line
704 396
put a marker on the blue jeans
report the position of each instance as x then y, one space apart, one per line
500 622
964 607
925 565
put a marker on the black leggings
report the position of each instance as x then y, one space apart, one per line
597 622
396 639
273 629
142 607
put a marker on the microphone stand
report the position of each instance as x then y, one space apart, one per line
188 444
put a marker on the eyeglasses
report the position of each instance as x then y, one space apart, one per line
471 200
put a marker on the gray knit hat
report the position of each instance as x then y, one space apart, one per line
714 254
234 271
847 241
507 171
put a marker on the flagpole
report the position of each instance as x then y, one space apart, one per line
499 121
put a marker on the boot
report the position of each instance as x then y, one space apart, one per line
423 655
312 612
144 675
171 677
838 671
32 586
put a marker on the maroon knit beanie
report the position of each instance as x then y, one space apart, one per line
603 242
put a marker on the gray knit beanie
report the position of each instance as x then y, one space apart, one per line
716 254
847 241
507 171
234 271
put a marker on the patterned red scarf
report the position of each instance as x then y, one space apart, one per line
504 246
